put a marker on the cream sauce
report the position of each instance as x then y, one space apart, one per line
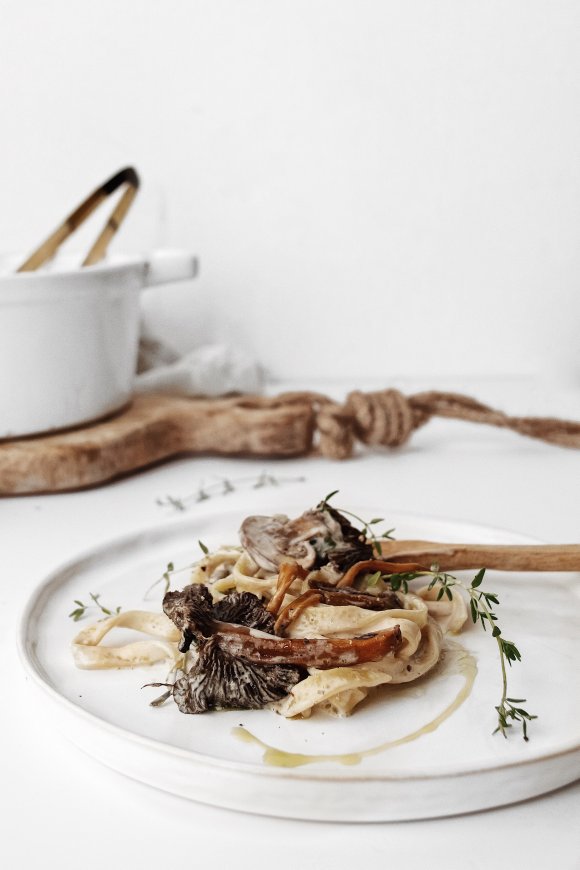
458 661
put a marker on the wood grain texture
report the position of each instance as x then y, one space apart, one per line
502 557
152 429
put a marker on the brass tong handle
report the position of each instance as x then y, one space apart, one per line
48 248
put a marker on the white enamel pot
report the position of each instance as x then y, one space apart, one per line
69 339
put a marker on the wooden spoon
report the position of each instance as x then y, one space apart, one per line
504 557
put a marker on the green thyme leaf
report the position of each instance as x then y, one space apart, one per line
322 504
480 603
80 611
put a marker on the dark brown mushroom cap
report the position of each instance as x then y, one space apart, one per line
191 610
195 615
221 681
236 670
354 547
244 608
314 539
240 666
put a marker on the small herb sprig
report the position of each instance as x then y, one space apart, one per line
368 526
481 606
170 570
165 578
225 486
80 610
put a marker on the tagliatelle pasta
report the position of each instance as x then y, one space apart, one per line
420 652
89 654
450 615
233 642
338 690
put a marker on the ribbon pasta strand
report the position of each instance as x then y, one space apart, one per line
88 654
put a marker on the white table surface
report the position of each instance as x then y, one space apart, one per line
58 805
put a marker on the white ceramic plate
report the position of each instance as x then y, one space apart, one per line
458 767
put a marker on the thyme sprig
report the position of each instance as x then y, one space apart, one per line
81 609
368 530
225 486
481 607
170 570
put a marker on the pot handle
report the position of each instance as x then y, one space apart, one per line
165 267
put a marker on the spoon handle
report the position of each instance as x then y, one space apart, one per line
527 557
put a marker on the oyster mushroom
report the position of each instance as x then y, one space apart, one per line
241 666
270 541
244 608
219 680
315 539
195 615
191 611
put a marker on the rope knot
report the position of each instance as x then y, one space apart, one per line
381 419
388 418
335 434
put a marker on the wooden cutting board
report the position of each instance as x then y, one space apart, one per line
151 429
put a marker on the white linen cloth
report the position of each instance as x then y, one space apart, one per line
209 370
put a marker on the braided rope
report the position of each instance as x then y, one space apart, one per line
388 418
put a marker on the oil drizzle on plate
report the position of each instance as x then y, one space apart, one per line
460 662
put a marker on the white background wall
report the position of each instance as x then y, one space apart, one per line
373 187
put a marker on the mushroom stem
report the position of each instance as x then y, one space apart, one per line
293 610
317 652
289 572
321 594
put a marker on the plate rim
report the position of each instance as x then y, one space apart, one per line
344 774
